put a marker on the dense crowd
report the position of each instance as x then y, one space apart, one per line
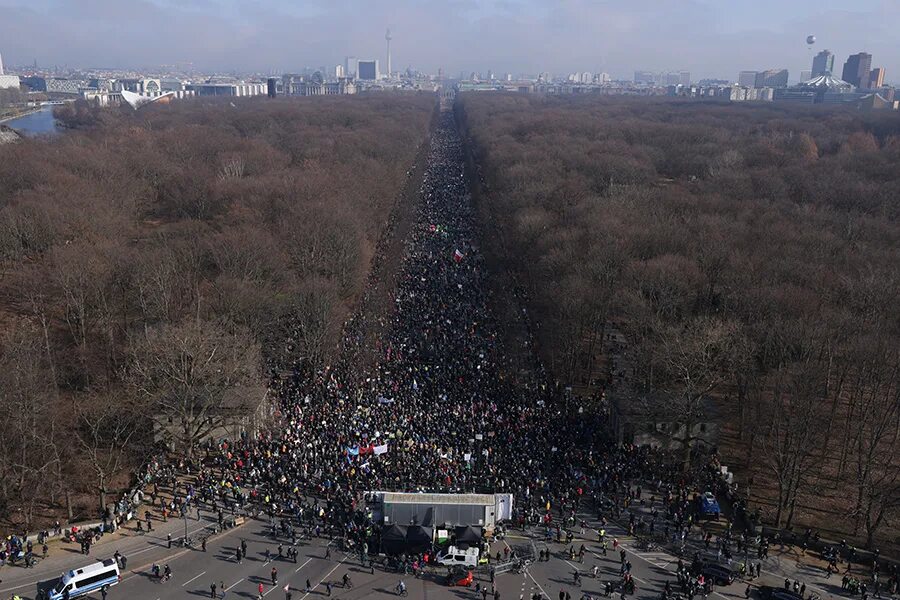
442 410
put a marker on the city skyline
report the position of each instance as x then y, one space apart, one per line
503 35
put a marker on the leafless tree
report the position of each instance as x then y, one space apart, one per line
193 377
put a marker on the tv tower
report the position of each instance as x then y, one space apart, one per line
387 37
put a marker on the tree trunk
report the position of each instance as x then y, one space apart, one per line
69 511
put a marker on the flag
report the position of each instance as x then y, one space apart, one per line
458 256
353 451
382 449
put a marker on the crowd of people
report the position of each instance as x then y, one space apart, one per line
442 410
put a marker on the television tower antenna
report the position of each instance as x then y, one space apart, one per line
387 37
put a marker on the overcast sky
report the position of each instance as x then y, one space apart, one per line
710 38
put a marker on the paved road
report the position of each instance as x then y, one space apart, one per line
195 571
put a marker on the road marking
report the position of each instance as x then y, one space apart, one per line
327 575
303 565
193 578
530 576
230 586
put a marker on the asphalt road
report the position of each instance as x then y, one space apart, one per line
194 571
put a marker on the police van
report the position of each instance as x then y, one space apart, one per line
86 580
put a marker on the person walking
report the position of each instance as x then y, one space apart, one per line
213 589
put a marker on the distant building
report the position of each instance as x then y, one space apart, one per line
368 70
857 69
9 82
227 89
339 71
805 75
774 78
351 65
710 81
823 64
684 77
271 87
647 419
646 77
876 78
825 89
747 78
2 72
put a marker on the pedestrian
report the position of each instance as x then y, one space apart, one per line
308 587
169 539
213 590
328 588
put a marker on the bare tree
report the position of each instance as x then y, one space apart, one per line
692 362
106 428
793 444
192 376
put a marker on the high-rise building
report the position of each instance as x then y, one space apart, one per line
857 69
805 75
367 70
350 66
747 78
823 63
685 77
876 78
271 87
1 65
339 71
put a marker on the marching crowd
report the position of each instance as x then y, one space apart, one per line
442 410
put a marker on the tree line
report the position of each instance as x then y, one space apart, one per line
158 265
712 254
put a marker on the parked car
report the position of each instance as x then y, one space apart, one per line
718 574
459 577
709 506
767 592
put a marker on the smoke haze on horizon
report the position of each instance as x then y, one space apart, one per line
710 38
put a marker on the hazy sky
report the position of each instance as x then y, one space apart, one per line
711 38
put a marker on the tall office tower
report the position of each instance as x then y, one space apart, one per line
351 66
339 71
857 68
368 70
876 78
747 78
685 78
1 65
387 38
823 63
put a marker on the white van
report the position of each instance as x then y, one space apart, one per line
454 556
87 579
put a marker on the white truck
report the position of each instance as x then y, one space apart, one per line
455 556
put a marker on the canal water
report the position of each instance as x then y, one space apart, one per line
36 123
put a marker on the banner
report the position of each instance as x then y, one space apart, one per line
382 449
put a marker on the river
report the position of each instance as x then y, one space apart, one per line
36 123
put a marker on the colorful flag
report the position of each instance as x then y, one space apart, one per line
382 449
458 256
